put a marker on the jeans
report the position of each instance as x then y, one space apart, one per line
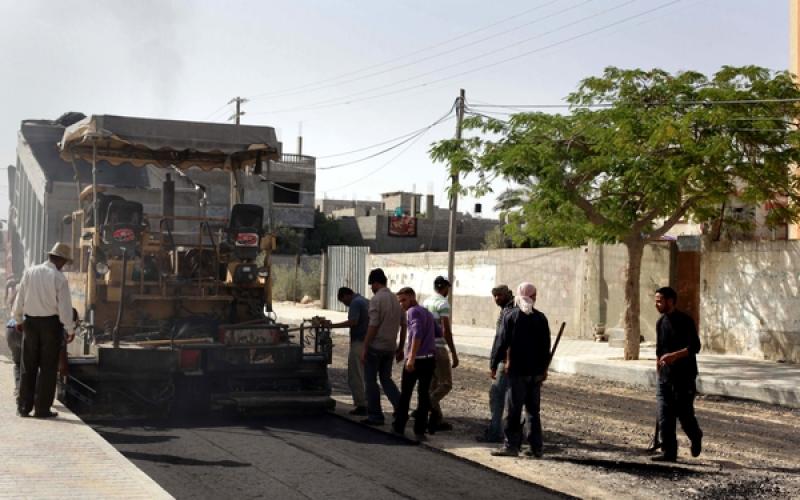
442 382
523 391
14 340
379 366
497 403
676 401
355 373
423 372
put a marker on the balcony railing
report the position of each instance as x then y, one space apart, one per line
296 161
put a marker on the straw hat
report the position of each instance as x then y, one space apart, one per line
61 250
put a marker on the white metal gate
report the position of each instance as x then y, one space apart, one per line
344 266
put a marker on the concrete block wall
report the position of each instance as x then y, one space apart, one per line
604 300
432 234
580 286
750 299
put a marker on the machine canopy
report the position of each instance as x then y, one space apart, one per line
182 144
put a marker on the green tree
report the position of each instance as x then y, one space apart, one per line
326 231
639 151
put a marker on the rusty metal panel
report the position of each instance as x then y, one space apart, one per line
346 266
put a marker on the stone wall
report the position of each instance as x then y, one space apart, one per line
750 299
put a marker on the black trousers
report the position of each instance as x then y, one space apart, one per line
421 377
41 344
676 402
523 391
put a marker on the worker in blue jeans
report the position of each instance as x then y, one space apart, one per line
504 299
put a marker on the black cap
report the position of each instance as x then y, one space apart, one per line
440 282
501 290
377 276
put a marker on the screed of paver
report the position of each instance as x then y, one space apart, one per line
62 457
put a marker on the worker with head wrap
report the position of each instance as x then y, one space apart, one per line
525 350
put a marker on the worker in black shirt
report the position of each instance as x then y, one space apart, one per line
524 350
676 347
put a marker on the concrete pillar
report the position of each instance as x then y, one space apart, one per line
430 209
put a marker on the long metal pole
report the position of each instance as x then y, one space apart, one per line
454 187
94 192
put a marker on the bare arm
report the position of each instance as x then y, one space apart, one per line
447 333
671 357
345 324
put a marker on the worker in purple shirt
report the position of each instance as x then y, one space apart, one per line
418 364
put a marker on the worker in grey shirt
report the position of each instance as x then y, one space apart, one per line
357 321
386 319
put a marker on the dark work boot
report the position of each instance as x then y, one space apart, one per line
697 446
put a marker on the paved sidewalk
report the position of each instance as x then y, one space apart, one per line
61 457
720 375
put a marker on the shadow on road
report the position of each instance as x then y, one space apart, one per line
175 460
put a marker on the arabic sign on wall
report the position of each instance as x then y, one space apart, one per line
404 226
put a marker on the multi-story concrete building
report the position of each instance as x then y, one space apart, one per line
368 223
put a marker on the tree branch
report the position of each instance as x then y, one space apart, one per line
675 217
593 215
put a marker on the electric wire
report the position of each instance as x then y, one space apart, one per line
705 102
375 171
434 56
399 58
328 103
394 146
336 100
215 112
345 153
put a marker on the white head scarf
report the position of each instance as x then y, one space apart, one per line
525 297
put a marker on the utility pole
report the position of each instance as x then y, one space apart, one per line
236 193
236 117
454 188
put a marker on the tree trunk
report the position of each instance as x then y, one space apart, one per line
635 248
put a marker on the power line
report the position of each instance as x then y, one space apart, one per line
395 146
434 56
704 102
399 58
208 116
329 103
372 146
379 168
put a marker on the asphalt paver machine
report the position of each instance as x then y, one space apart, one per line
176 310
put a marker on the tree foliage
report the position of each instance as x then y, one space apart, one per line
312 241
639 151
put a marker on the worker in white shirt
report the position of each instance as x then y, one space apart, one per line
43 302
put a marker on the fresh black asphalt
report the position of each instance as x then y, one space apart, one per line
308 457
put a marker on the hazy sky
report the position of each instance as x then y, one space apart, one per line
352 73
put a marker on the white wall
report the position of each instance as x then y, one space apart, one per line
750 299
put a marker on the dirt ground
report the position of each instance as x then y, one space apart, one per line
596 433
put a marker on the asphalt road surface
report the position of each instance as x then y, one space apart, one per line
301 458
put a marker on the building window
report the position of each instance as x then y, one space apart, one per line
286 192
